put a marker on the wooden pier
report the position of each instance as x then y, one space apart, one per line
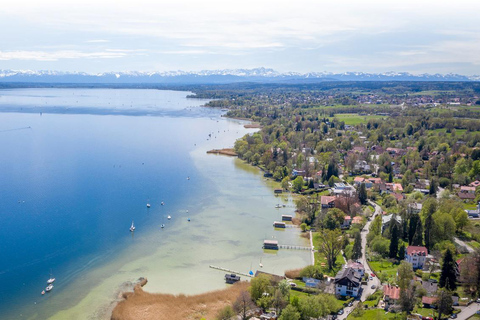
286 246
231 271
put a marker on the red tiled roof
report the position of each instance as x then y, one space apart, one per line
465 188
429 300
416 250
327 199
359 179
357 219
475 183
391 292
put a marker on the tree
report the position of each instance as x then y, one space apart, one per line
357 247
330 245
258 286
444 303
401 252
225 314
243 305
285 182
417 239
298 184
470 273
290 313
407 289
428 231
393 241
312 271
362 194
412 227
448 277
333 219
461 220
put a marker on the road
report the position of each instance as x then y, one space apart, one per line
463 244
367 290
469 311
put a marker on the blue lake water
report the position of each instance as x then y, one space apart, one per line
78 165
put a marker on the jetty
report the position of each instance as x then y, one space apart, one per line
293 247
226 151
231 271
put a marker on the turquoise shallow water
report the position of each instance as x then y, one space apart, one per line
74 175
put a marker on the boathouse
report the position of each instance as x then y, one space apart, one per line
287 217
231 278
270 244
278 224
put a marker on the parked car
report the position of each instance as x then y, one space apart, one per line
350 304
372 274
370 278
453 316
340 312
373 286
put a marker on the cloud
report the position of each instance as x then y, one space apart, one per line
97 41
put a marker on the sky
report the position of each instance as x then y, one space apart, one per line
420 36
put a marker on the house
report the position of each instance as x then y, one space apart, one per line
357 220
466 193
327 202
430 286
357 267
346 222
296 173
386 220
414 208
416 255
474 213
361 166
474 184
398 196
391 294
394 187
341 188
429 302
311 282
347 283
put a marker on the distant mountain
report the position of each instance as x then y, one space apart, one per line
262 75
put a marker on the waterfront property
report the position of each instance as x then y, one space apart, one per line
231 278
347 283
278 224
270 244
287 217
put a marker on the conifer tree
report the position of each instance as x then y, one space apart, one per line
418 236
393 241
357 247
362 194
448 277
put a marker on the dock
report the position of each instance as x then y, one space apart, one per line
231 271
287 246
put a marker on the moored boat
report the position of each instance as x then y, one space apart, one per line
49 288
132 227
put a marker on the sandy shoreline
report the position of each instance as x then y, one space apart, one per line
225 151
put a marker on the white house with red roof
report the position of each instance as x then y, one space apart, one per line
416 255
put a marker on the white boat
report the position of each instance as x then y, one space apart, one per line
148 205
278 206
169 217
162 226
188 178
162 203
51 280
49 288
132 227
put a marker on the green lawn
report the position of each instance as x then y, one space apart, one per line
376 314
320 258
386 268
354 118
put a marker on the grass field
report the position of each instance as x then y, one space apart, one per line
375 314
354 118
385 268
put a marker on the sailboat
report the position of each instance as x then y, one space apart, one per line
52 279
148 205
260 264
132 227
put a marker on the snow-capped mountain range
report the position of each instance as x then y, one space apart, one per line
263 75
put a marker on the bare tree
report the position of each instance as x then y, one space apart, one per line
330 245
243 305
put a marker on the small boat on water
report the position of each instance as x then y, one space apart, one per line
162 226
188 178
278 206
49 288
132 227
188 219
162 203
169 217
148 205
51 279
43 292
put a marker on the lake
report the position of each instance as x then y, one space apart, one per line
78 165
